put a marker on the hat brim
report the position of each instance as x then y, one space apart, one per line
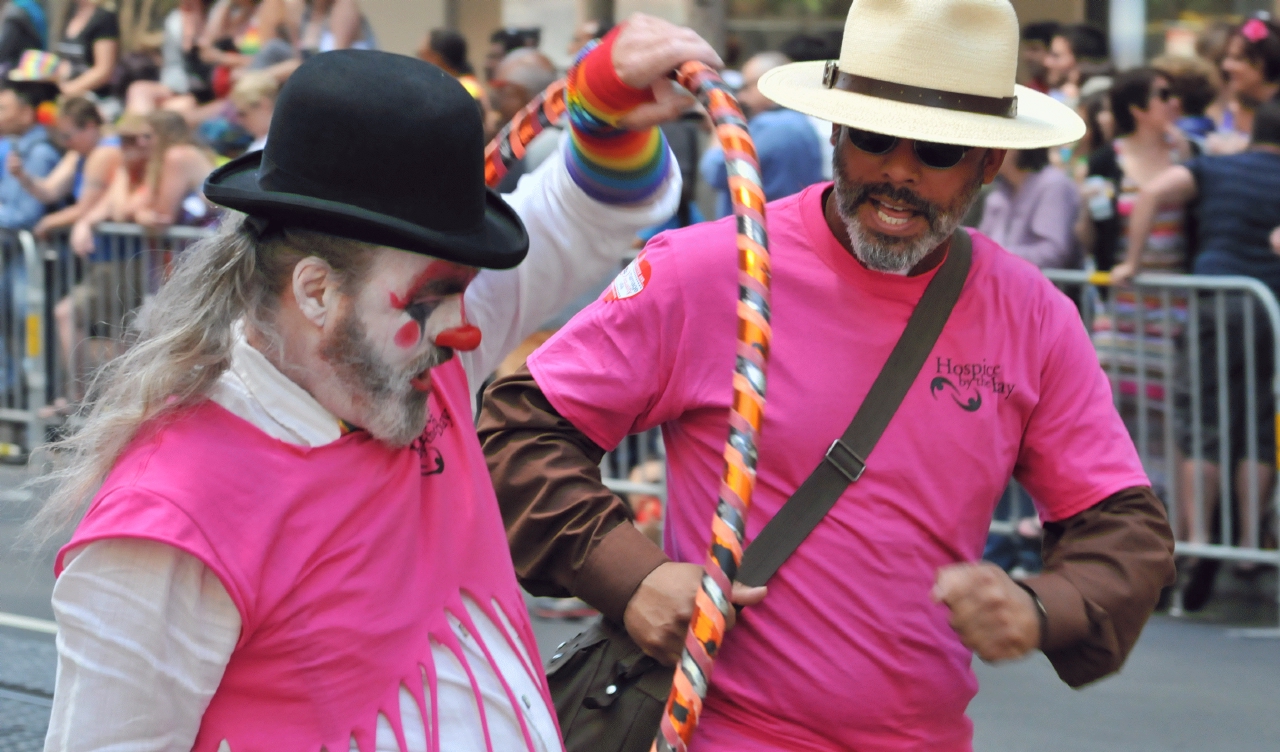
18 77
1041 122
500 243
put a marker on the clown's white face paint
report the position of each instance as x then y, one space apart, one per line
371 362
411 305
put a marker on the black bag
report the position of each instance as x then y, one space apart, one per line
609 694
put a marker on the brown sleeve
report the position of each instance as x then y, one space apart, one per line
1103 572
569 535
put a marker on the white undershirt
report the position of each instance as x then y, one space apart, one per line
146 631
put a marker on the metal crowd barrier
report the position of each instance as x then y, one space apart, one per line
637 469
1012 507
89 303
1188 357
22 379
1160 342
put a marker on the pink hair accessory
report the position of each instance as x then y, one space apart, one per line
1255 30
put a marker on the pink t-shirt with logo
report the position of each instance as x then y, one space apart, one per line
847 651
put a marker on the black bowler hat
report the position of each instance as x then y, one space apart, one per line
382 149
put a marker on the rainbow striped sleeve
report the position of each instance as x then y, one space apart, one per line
610 164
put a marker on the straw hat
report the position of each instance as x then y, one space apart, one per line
929 70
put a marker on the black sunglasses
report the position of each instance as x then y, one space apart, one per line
930 154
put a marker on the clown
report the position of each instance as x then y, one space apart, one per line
291 539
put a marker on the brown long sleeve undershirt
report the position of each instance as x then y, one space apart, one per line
1104 567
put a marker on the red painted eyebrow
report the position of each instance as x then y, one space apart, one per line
436 271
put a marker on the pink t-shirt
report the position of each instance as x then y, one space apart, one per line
346 562
847 651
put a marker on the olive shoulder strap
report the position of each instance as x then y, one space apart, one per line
847 457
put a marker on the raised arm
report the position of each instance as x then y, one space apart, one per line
54 186
25 210
99 169
615 177
1175 185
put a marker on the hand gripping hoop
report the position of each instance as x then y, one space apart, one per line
711 606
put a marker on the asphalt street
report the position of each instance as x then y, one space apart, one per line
1190 684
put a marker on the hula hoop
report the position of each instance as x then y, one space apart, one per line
711 605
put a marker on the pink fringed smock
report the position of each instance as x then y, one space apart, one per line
345 562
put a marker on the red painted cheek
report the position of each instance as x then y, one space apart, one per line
409 335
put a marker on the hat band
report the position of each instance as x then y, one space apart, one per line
834 78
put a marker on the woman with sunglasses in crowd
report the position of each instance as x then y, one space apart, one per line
164 168
1144 110
136 138
175 173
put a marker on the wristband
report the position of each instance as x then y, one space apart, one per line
610 93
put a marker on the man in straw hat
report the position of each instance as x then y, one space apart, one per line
865 638
293 541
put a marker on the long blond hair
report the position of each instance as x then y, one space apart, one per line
169 129
183 345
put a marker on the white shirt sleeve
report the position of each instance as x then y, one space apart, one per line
574 241
145 632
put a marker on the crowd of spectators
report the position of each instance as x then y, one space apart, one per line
1179 173
69 98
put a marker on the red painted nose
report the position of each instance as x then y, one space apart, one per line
462 338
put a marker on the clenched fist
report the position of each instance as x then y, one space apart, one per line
994 617
646 50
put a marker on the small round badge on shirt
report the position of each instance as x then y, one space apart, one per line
631 281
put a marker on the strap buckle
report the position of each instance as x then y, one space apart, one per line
831 74
846 461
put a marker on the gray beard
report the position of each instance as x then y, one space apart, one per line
887 253
397 413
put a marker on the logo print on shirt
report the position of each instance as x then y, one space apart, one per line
941 382
431 458
631 281
964 382
432 461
